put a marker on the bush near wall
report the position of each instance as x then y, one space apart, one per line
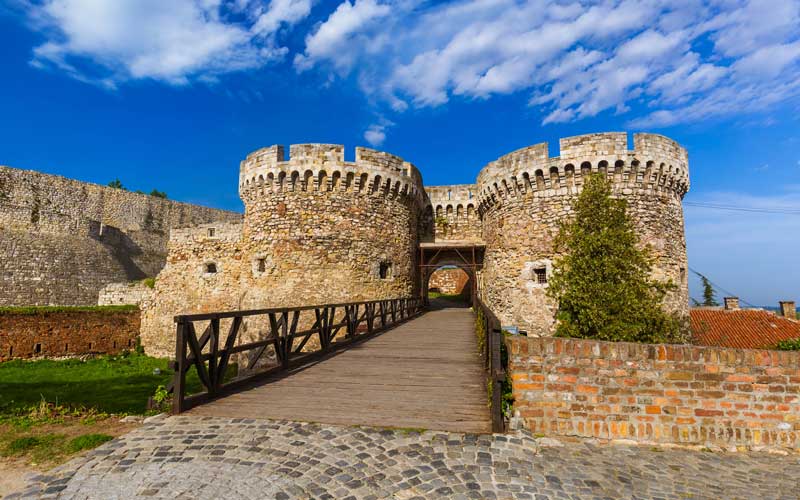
28 332
656 392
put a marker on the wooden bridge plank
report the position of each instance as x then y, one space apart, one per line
425 373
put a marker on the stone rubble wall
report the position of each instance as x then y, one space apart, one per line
67 333
316 230
120 294
454 210
65 240
525 195
655 392
448 281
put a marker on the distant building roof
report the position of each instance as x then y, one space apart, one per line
741 328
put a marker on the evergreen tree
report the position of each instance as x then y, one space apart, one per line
709 298
116 183
158 194
602 280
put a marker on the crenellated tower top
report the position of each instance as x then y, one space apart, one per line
656 163
321 167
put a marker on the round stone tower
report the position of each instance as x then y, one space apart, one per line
525 194
318 229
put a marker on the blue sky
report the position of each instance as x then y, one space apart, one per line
172 95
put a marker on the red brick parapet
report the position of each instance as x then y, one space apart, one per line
656 393
67 333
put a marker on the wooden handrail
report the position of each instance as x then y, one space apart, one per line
210 353
495 371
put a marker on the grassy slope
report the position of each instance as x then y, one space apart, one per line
108 384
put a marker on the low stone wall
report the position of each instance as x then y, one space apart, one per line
656 393
119 294
449 281
67 333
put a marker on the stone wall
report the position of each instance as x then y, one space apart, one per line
63 240
67 333
454 211
526 194
119 294
316 230
656 393
448 281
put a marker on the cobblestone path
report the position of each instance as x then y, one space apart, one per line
193 457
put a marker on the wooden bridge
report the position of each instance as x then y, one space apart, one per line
385 363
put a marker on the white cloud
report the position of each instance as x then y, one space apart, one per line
687 60
172 41
375 134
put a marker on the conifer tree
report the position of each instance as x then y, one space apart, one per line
602 279
709 298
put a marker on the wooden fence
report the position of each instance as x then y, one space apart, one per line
211 352
492 357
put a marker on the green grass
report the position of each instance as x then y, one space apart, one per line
87 442
105 384
452 297
31 310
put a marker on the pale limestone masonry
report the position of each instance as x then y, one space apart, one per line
319 229
120 294
62 240
525 195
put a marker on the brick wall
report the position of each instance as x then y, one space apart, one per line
449 281
656 393
54 334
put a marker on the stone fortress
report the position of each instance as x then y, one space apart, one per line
319 229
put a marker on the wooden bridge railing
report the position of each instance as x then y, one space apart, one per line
210 353
492 357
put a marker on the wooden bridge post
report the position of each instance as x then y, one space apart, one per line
179 377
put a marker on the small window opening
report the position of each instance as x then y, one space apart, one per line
261 265
90 346
11 351
130 343
66 347
683 274
385 270
211 268
211 232
37 348
540 275
114 345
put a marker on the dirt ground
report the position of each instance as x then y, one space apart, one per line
15 469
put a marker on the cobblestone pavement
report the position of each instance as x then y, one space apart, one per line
192 457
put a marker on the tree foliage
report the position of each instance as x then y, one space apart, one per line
602 281
709 298
158 194
116 184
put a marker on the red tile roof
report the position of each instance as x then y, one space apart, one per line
741 328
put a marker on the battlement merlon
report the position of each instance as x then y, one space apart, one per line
267 167
650 150
454 193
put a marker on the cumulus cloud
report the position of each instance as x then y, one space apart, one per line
680 60
175 41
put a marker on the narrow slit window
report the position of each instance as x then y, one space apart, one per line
211 268
261 265
385 270
211 232
540 275
37 348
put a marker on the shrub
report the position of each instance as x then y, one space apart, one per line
602 280
788 345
